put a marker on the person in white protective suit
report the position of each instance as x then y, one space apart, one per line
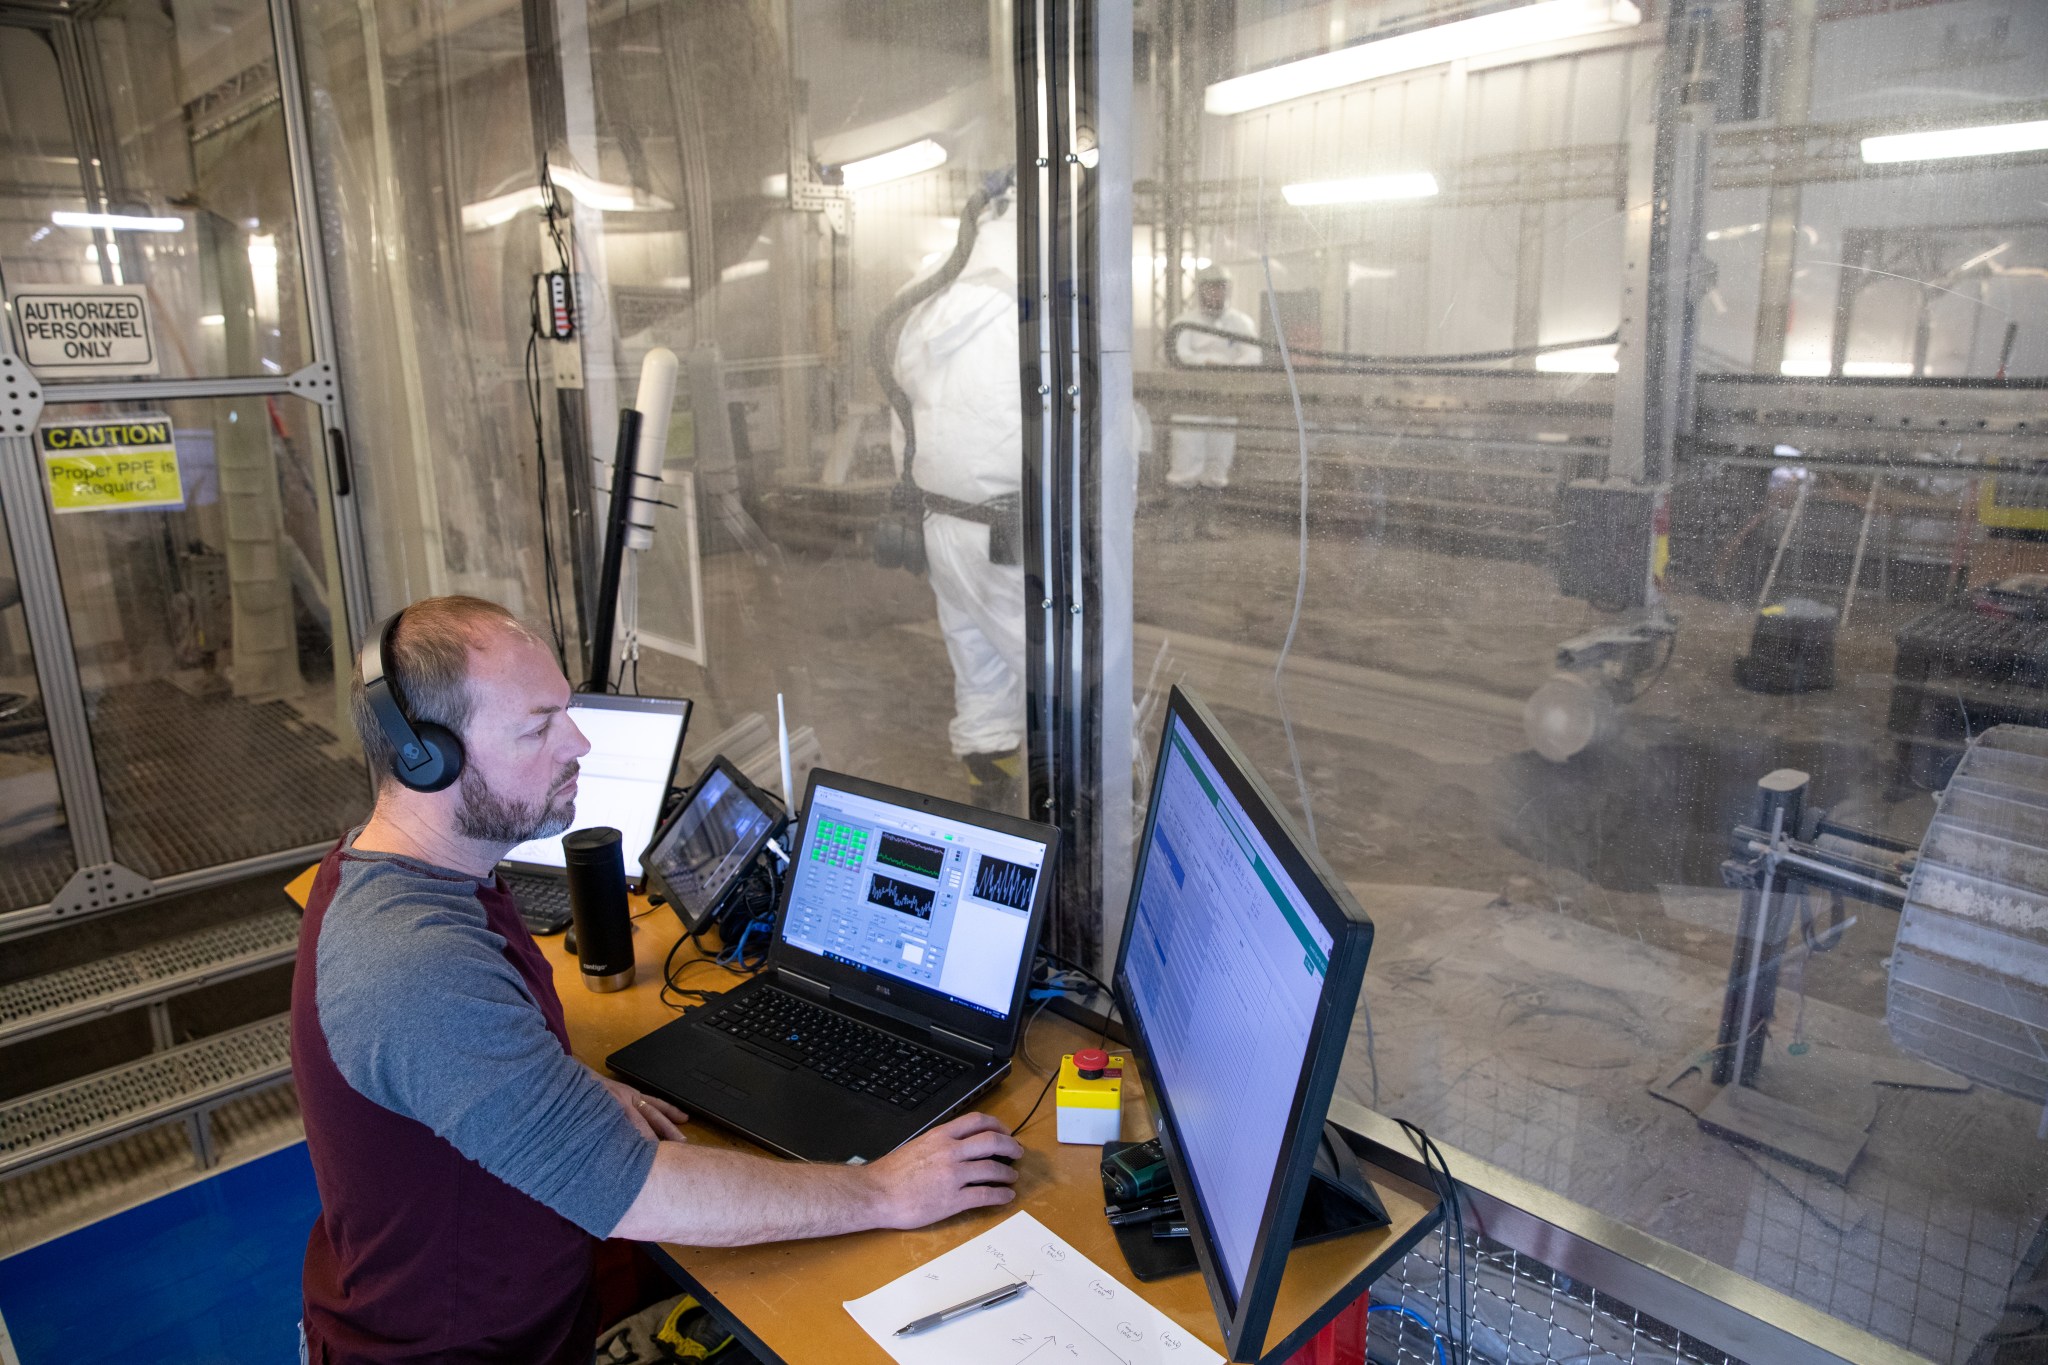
1204 446
957 359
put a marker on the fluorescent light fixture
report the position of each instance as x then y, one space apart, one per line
1804 367
116 222
1188 261
1580 360
1723 234
1877 369
1483 35
1354 273
1785 452
1995 139
1365 189
920 156
744 270
213 320
598 194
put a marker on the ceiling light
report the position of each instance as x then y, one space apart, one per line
1580 360
1366 189
1804 367
1723 234
924 155
602 195
1996 139
117 222
744 270
213 320
1501 31
1877 369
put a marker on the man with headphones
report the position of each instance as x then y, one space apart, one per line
467 1163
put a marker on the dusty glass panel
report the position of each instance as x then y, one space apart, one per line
752 187
1582 536
195 546
155 155
35 844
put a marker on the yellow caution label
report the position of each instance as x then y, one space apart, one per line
118 464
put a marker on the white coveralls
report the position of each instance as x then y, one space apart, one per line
1203 447
957 358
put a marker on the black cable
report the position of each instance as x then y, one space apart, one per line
1438 1168
1023 1041
1074 966
550 578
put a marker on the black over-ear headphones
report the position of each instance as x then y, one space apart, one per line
429 756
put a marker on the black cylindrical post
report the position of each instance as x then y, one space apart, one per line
601 626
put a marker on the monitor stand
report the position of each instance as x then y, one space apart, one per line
1339 1199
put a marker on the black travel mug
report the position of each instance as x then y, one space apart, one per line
597 905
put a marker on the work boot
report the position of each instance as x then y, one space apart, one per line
997 780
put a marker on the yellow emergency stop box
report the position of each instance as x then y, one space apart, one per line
1090 1097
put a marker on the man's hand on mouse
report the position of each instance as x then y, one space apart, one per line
655 1118
956 1166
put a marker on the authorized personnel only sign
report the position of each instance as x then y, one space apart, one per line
115 464
74 330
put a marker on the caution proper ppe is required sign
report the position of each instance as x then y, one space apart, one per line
111 464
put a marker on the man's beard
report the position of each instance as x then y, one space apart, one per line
489 818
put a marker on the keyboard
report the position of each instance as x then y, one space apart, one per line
543 901
856 1056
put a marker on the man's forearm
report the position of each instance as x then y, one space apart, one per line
706 1196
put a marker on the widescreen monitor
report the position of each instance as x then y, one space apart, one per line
1239 970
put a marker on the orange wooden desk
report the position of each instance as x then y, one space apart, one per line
784 1299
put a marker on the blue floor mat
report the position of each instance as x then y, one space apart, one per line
209 1273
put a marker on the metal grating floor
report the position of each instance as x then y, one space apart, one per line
35 869
195 782
36 1002
1523 1313
38 1126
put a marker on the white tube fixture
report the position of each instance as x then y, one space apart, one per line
1580 360
1485 34
597 194
1365 189
1995 139
116 222
923 155
656 405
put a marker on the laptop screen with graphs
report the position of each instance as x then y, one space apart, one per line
936 902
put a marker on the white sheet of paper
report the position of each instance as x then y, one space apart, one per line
1074 1312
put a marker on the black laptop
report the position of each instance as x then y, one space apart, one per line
894 988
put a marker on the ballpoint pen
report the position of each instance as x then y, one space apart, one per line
1001 1294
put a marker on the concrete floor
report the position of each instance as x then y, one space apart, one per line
1552 939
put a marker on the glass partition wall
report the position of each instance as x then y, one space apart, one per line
1555 430
1531 427
752 187
177 571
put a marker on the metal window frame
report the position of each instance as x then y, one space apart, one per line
99 884
1074 279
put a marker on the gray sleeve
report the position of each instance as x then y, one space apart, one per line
424 1016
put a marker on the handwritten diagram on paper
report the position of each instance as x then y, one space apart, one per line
1072 1313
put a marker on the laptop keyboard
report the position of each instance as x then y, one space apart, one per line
857 1056
543 901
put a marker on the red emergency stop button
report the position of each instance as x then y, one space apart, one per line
1091 1063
